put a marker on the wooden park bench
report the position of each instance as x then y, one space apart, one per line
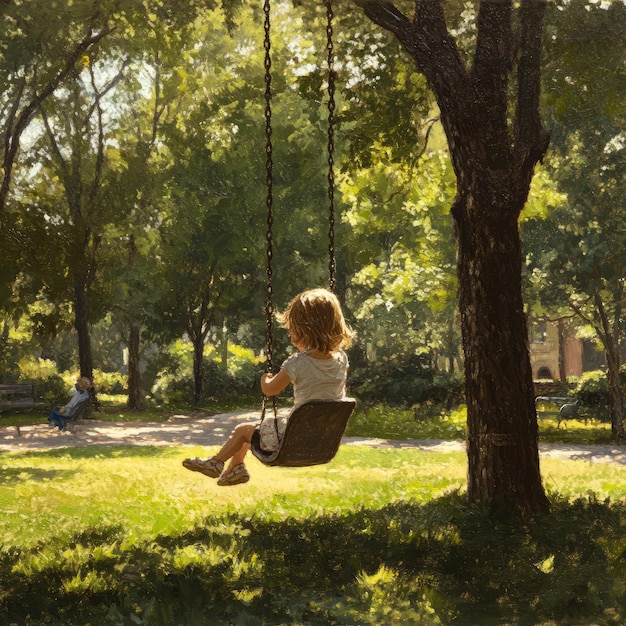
16 397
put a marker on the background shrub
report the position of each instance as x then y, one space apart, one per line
405 384
592 390
110 382
174 379
52 390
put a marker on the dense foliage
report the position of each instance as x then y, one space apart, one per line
134 209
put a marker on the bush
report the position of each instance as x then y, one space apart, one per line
405 384
219 383
48 384
110 382
32 368
174 381
592 390
52 390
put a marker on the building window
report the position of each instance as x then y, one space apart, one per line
539 332
543 373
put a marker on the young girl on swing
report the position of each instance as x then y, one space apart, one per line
318 371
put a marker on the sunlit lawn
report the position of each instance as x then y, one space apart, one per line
147 491
126 535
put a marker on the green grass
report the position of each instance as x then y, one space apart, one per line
574 431
394 423
434 423
147 489
125 535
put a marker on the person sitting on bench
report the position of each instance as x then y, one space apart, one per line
59 416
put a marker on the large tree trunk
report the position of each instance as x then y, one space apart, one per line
495 137
502 423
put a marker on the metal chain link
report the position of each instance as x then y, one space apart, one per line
269 203
332 264
269 166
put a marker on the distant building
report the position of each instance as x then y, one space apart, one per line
556 353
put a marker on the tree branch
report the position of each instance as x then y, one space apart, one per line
493 61
385 14
425 37
531 138
29 110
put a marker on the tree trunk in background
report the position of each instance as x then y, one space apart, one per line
81 324
561 340
135 393
4 342
609 333
198 368
616 400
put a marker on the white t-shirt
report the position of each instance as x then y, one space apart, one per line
317 379
312 379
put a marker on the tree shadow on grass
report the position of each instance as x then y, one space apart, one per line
446 562
102 452
15 475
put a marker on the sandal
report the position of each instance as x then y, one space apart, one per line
236 476
209 467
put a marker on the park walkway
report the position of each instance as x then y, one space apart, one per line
204 429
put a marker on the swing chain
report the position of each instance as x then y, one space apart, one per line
269 202
332 265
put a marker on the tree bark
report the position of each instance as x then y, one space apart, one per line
198 368
135 393
503 458
561 340
81 324
616 401
609 333
493 155
4 342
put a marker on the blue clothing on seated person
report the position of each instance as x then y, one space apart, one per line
57 415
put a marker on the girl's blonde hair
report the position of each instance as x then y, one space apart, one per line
315 321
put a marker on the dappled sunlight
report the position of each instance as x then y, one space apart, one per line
374 533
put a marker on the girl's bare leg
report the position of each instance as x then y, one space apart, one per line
237 445
239 456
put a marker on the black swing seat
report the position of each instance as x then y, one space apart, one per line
312 437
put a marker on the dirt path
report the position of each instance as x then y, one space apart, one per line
212 430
